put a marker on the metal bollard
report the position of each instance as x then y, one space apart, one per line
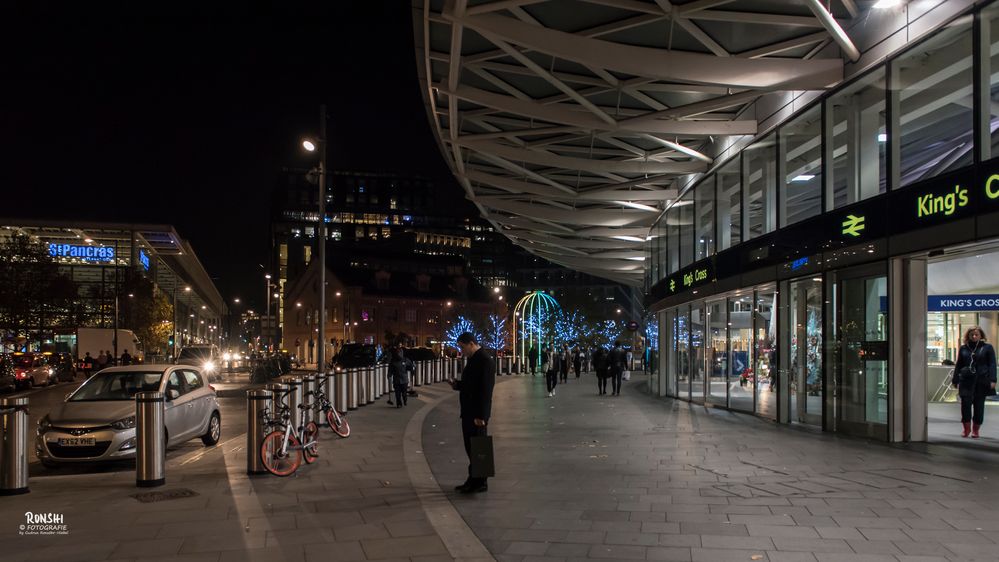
256 402
437 370
150 445
295 397
340 391
14 446
308 396
352 389
369 384
382 376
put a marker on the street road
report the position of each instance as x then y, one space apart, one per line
42 400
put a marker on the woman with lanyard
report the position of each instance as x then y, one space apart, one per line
975 378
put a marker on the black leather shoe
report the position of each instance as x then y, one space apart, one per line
461 487
474 489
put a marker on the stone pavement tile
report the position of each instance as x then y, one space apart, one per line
291 553
840 533
334 552
331 519
606 516
382 514
870 522
271 523
974 524
539 535
299 536
651 527
209 542
147 547
549 513
816 521
528 548
840 557
680 540
725 541
927 523
668 553
781 531
713 529
201 557
723 555
543 559
585 537
945 536
922 548
811 545
409 528
349 533
638 539
414 546
562 524
180 516
873 547
648 516
741 509
195 528
699 517
568 550
777 556
617 551
978 550
508 558
73 552
761 519
885 534
617 526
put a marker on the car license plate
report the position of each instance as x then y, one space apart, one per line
78 441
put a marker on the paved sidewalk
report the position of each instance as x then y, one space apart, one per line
587 477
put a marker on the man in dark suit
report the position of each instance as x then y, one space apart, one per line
616 361
476 400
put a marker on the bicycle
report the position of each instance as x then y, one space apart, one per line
282 450
336 419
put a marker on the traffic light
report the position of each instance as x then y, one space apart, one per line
170 341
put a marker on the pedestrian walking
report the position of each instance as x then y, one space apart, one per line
600 366
399 369
577 360
102 361
88 365
617 360
545 358
476 400
532 360
551 371
975 378
564 361
126 358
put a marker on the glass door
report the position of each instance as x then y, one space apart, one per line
740 370
717 352
765 350
670 362
683 353
805 355
697 352
860 359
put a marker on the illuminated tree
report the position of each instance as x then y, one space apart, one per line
460 326
608 331
496 335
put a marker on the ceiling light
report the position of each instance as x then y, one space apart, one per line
886 4
629 238
640 258
638 206
882 137
804 178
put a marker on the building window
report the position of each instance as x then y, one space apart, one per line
686 208
704 219
410 315
307 254
729 186
857 127
801 156
759 176
932 85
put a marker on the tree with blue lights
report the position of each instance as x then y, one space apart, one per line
496 334
460 326
608 331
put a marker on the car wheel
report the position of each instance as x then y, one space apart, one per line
214 432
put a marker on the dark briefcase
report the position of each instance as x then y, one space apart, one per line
482 457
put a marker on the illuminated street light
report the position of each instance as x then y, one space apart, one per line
187 289
496 289
309 145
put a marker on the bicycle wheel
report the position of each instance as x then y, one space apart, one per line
310 435
338 422
280 463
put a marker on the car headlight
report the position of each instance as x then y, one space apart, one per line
44 424
226 357
128 444
209 366
124 423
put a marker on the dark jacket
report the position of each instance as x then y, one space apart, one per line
600 361
476 386
399 370
616 359
984 365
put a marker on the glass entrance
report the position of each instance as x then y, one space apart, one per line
860 363
717 352
805 354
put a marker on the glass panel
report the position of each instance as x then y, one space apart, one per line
673 239
765 371
801 153
805 303
717 352
760 178
740 326
664 354
686 209
729 199
697 352
864 333
933 84
683 353
859 154
663 260
990 68
704 207
670 362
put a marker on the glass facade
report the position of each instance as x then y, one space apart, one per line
801 175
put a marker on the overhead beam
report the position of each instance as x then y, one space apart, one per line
570 163
834 29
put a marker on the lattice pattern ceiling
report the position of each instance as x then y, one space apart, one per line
568 123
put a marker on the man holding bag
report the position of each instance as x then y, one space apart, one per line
476 399
975 378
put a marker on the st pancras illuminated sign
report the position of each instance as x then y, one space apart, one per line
85 253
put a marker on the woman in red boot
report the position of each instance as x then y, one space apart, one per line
975 378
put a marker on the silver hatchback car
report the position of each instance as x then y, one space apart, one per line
97 421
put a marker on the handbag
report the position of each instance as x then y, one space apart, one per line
481 457
967 374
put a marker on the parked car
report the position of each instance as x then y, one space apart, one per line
97 421
33 369
8 380
354 355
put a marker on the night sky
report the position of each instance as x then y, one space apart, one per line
188 121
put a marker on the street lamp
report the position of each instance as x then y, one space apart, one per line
320 146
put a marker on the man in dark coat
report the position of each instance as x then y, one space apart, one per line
476 399
617 359
600 366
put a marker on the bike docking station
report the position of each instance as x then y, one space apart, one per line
14 446
150 442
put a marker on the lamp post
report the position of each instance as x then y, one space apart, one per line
311 147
